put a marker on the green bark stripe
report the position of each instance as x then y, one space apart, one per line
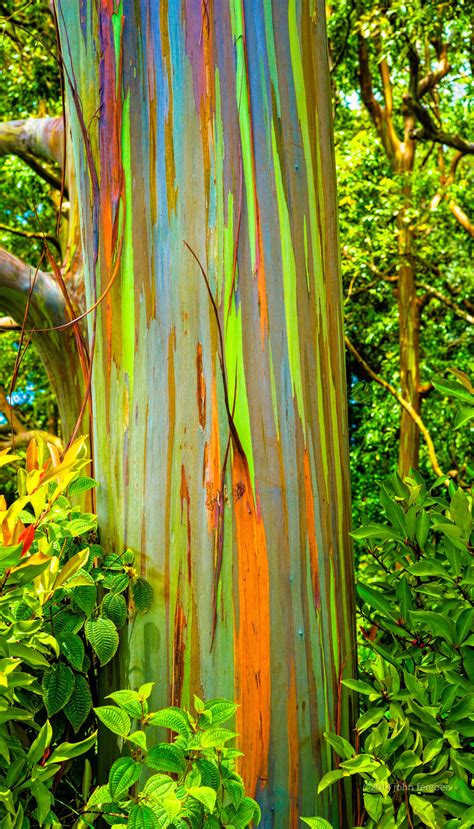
127 293
289 284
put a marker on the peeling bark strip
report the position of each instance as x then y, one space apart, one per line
221 438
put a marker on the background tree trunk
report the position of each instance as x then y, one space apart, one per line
205 172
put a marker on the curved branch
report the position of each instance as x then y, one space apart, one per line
381 116
40 138
429 131
31 234
461 217
9 324
432 79
404 403
433 292
16 281
35 299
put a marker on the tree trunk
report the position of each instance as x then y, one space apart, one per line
409 339
408 311
205 172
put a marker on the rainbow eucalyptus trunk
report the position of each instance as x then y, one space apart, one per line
205 171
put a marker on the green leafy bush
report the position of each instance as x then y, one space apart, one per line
62 602
190 782
413 741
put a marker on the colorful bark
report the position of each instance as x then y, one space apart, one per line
202 137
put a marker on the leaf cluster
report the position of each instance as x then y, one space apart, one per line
189 782
413 740
62 602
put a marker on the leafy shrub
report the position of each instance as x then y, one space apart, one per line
193 781
413 741
62 601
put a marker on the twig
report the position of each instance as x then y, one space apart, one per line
404 403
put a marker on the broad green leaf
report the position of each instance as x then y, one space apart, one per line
376 599
123 774
103 636
221 710
216 737
67 751
464 624
424 810
10 556
85 598
330 778
58 685
204 795
142 593
360 764
376 531
79 704
209 772
316 822
115 719
118 583
435 623
371 717
451 388
12 713
374 806
159 785
40 744
358 685
423 522
432 749
81 526
81 485
71 567
173 718
30 656
341 746
464 708
130 702
234 790
142 817
43 799
138 738
72 647
145 690
427 567
394 512
114 607
67 621
460 511
408 760
463 416
99 796
166 757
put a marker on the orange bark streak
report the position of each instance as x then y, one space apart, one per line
252 630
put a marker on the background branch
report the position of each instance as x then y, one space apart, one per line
401 400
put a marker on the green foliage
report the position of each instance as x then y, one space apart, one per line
371 198
414 738
30 88
55 581
193 781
